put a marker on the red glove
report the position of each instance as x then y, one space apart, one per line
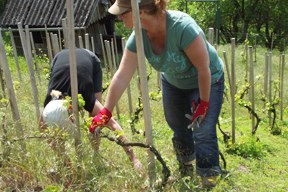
100 120
198 112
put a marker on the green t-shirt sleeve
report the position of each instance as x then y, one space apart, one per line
131 43
188 30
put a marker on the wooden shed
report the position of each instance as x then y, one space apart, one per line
41 16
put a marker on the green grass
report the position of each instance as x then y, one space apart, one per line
254 163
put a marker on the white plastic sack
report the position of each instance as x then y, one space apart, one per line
55 115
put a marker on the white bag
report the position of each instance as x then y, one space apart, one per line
55 115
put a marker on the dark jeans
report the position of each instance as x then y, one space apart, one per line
201 142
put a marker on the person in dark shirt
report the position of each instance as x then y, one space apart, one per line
89 77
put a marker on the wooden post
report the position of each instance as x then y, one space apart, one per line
73 76
87 43
80 42
35 57
54 40
32 72
144 88
116 49
28 56
255 49
251 79
233 85
11 94
15 54
113 56
279 73
282 86
60 39
211 36
227 69
93 44
109 57
2 81
49 48
65 33
266 75
246 61
104 56
270 84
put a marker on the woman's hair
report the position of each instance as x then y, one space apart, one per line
153 9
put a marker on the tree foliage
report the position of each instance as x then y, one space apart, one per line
261 21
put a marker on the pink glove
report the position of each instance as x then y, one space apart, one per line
199 111
100 120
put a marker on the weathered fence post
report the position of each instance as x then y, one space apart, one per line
35 57
54 40
266 75
116 48
109 57
282 85
11 94
211 36
246 60
270 83
80 39
73 76
227 69
15 54
49 48
233 86
59 39
2 81
104 56
93 44
251 80
255 48
87 43
28 56
65 33
144 88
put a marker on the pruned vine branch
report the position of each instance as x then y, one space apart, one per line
272 109
135 117
166 171
250 110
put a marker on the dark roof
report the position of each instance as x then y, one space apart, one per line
38 13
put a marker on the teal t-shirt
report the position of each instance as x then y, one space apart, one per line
173 62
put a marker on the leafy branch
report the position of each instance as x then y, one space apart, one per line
239 98
270 107
136 115
166 171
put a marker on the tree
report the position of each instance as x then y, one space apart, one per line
264 21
